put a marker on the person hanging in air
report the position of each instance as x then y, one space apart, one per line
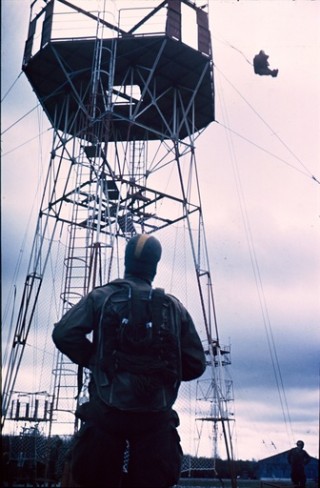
261 65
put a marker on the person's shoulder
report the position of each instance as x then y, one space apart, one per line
173 300
105 290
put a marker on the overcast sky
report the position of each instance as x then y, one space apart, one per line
259 166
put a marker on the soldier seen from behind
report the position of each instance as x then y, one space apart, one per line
144 343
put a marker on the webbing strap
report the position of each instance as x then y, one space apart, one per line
136 311
158 296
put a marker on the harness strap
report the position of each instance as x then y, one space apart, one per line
158 297
137 313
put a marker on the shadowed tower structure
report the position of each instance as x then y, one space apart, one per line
127 94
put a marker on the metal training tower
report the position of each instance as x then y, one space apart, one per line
127 94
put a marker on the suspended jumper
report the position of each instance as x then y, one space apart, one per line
261 65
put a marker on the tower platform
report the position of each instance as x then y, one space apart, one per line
146 87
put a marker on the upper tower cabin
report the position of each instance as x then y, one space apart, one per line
136 74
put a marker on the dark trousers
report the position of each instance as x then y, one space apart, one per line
298 476
154 455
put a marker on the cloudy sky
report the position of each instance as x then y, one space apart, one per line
259 166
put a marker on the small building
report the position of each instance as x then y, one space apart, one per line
277 467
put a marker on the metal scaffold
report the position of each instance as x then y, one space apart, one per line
127 99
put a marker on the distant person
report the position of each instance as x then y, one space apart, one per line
261 65
144 344
298 458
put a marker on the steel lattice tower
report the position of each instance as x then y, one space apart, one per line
126 106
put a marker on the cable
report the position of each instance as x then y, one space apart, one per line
271 129
19 120
10 88
308 174
261 296
25 142
233 47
